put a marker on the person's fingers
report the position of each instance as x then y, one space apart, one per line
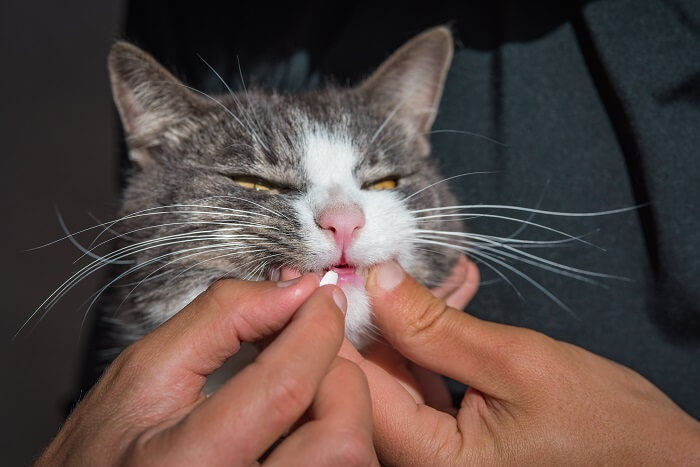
454 280
462 295
459 288
433 388
248 413
438 337
198 339
405 430
340 429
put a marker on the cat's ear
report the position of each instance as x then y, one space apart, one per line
409 83
150 100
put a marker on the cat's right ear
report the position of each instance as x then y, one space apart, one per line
408 85
150 100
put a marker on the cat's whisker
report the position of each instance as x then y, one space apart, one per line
77 244
152 278
443 181
484 258
133 269
107 226
95 266
112 231
460 218
481 259
245 90
533 282
149 211
506 240
391 143
268 260
256 260
232 227
249 201
533 260
469 133
387 120
540 226
530 210
216 101
238 104
532 215
64 288
120 254
492 257
229 253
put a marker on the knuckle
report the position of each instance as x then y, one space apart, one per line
349 369
290 395
429 323
222 292
351 448
530 357
128 361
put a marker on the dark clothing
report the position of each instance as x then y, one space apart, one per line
597 105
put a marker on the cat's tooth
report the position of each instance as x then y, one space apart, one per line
275 275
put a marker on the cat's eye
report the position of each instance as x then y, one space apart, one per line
384 184
257 184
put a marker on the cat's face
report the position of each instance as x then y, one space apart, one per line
256 185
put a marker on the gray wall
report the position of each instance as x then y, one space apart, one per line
58 148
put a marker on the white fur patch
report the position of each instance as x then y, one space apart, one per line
329 161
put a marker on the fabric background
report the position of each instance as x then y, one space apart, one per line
596 105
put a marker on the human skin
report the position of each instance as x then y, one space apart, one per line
149 408
532 400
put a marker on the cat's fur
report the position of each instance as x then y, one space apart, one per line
324 146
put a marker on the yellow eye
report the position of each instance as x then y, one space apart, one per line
251 183
386 184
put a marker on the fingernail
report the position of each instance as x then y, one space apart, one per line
289 282
388 275
340 300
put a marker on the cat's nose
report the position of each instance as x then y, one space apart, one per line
342 222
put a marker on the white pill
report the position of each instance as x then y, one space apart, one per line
331 277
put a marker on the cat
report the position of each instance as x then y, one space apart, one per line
265 186
259 185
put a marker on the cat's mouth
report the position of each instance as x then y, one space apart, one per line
348 274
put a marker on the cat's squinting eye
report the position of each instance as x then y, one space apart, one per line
257 184
385 184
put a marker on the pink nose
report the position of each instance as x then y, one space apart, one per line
342 222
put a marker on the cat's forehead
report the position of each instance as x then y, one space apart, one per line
300 135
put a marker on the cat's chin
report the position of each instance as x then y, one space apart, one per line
358 319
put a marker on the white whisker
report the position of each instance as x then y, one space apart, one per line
469 133
443 181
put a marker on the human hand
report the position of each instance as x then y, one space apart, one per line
149 408
531 400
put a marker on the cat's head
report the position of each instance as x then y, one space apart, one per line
261 185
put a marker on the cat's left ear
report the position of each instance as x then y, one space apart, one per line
408 85
152 103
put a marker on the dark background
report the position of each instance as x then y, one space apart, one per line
59 148
596 102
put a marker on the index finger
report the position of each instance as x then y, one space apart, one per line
248 413
198 339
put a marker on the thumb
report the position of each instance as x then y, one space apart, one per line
424 329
